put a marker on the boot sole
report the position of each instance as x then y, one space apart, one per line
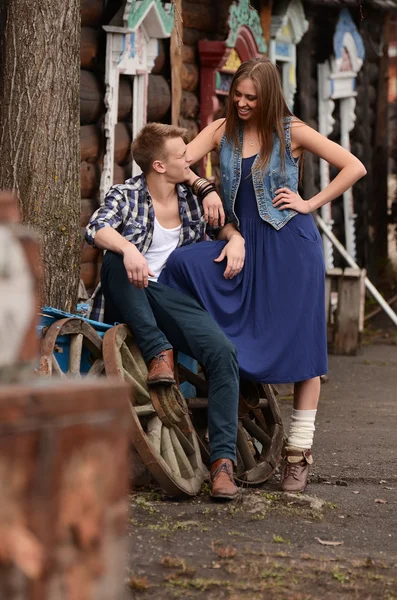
161 382
223 498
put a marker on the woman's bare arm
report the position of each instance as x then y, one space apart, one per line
350 168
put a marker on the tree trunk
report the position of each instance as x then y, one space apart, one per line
39 132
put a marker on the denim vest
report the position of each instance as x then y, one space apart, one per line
265 182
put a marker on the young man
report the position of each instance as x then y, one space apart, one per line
141 222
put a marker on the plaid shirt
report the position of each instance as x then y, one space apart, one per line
128 208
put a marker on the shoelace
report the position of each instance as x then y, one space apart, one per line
292 469
224 467
160 357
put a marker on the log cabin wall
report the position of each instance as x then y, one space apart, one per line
95 14
204 20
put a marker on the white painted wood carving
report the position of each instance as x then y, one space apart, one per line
131 48
287 29
337 81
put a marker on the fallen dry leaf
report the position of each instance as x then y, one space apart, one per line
138 583
173 562
226 552
216 565
328 542
380 501
223 551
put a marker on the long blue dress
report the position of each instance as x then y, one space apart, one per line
274 310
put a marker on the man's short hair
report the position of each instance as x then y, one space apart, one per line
149 144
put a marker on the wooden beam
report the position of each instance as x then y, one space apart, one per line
176 63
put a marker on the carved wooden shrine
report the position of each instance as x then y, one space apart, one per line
131 48
288 25
219 61
337 82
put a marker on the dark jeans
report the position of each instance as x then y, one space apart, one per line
160 318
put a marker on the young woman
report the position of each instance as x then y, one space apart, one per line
270 298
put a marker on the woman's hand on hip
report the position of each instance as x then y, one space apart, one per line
213 210
285 198
234 252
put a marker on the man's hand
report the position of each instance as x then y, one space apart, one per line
136 266
213 210
234 252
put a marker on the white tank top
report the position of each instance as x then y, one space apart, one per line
163 243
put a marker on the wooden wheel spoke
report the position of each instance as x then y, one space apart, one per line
154 428
168 452
75 350
56 369
142 394
246 448
183 461
144 410
97 368
134 363
253 429
183 440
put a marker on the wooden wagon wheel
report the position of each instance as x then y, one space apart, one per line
260 428
84 342
163 434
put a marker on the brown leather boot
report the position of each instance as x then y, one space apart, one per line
223 486
161 368
296 469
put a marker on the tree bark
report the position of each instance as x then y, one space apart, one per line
39 132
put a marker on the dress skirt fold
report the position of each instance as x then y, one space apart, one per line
274 310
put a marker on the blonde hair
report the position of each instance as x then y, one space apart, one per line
149 144
272 107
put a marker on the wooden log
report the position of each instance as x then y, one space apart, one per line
88 207
91 143
89 254
189 77
189 105
63 511
89 45
191 126
128 170
89 275
125 99
20 268
192 36
160 59
122 143
194 14
159 98
118 174
89 179
348 313
91 98
91 12
189 54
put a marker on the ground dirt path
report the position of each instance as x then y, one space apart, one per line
336 541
